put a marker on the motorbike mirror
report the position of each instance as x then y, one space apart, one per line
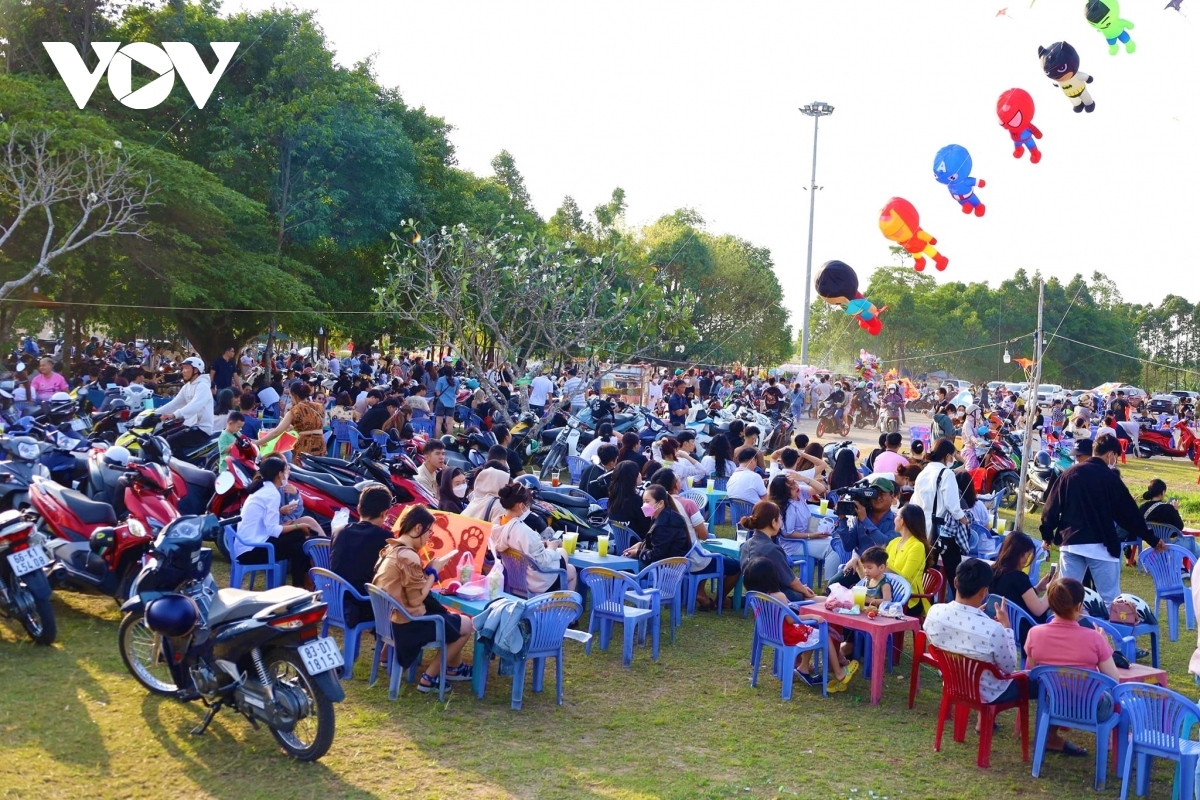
224 482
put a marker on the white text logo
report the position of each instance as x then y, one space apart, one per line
165 61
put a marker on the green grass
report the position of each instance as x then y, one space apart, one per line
74 724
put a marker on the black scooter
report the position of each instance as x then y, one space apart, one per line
22 461
259 653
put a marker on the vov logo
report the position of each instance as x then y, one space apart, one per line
165 61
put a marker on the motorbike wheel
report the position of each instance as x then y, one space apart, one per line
1010 481
39 623
141 650
313 735
820 428
893 425
845 429
126 583
553 463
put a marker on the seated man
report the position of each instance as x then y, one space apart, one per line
871 527
962 627
595 478
355 549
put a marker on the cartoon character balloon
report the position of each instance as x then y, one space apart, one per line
1060 62
1015 110
952 167
901 223
1105 16
837 284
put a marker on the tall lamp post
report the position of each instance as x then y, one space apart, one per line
816 111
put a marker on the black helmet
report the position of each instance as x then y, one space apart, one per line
172 615
1042 459
156 449
102 541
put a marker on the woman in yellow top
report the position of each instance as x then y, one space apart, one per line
906 555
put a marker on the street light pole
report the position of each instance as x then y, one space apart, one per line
816 111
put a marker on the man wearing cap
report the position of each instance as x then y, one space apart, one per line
194 403
871 526
1083 450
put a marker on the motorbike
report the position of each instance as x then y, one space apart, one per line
828 419
1046 469
865 415
998 471
580 429
188 444
1154 442
259 653
889 420
23 462
24 590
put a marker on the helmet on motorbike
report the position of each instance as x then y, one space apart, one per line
172 615
472 384
61 405
1042 460
156 449
118 404
117 456
861 385
102 541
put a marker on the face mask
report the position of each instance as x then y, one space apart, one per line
522 516
460 490
284 484
648 509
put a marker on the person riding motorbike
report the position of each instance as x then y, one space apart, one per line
194 403
837 399
895 398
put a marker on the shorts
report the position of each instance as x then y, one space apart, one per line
444 411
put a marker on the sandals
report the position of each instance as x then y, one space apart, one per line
844 683
460 673
1070 750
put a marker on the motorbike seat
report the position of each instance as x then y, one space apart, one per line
333 462
193 475
622 419
568 501
231 604
88 511
343 494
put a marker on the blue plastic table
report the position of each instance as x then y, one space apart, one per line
471 608
731 548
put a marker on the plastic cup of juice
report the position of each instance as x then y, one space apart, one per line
554 480
708 487
1001 524
823 508
690 479
569 540
602 545
860 596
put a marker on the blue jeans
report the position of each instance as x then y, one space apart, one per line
1105 574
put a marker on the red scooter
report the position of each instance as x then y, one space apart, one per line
84 536
997 471
1153 442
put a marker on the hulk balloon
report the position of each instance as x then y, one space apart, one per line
1105 16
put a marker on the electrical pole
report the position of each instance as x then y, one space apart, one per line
816 111
1030 413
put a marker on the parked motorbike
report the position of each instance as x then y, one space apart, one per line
1154 442
830 418
1045 470
999 471
24 590
189 444
260 653
22 463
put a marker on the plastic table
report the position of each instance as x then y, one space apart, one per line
714 496
1140 673
472 608
878 629
590 558
733 549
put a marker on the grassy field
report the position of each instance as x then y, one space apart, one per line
74 724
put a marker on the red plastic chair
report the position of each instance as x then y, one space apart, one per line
960 688
921 658
931 590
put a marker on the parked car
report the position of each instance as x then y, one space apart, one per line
1162 404
1131 391
994 385
1048 393
1183 394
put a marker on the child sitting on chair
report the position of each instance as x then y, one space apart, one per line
873 568
291 508
759 575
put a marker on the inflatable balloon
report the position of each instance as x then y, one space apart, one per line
1015 110
900 223
952 167
1060 62
1105 16
837 284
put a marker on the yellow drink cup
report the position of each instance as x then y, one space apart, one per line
860 596
602 545
824 506
569 540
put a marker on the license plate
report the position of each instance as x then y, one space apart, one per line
321 655
78 424
28 560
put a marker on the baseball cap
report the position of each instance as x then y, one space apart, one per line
1083 447
886 484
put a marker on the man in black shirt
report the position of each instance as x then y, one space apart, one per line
223 370
377 415
706 384
355 549
677 405
516 465
595 478
772 397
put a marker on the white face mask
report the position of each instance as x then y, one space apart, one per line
523 515
460 490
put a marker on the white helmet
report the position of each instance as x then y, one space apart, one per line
116 456
196 362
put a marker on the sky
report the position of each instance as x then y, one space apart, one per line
695 104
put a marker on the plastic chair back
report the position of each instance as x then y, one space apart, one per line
608 589
1120 642
317 551
1168 533
333 588
424 425
932 583
622 537
1166 569
1070 693
961 675
549 615
517 567
719 484
665 575
576 465
737 510
901 589
1159 719
769 615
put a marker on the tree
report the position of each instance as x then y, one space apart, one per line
520 296
79 195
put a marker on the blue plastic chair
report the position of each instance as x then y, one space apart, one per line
1158 724
1120 642
715 572
769 616
667 576
474 421
547 616
346 438
333 589
737 510
798 556
987 546
1172 535
382 605
610 591
622 537
1166 569
273 571
317 551
575 466
1040 556
1069 698
423 425
835 544
517 567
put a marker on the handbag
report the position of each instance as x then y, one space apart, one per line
1122 612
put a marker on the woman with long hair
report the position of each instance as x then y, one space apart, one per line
845 471
1011 581
225 400
718 460
630 449
624 498
302 417
907 553
452 490
401 573
511 533
260 523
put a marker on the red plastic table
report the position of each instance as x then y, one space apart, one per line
1140 673
878 629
